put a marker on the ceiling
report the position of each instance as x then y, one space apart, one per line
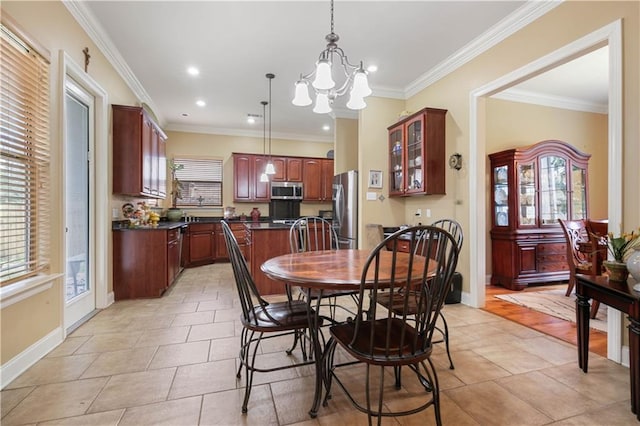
235 43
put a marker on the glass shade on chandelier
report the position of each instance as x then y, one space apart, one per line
323 84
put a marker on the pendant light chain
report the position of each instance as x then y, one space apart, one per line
331 16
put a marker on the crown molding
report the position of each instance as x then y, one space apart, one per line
188 128
519 19
96 33
527 97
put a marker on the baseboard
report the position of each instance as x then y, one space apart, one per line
624 354
111 298
21 362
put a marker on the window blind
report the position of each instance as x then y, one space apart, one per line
24 160
201 181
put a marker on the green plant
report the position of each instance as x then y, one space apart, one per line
176 185
620 247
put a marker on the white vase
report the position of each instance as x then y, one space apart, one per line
633 264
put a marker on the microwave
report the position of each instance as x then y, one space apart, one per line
286 190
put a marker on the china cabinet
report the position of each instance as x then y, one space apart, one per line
417 154
531 188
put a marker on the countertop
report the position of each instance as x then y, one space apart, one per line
123 225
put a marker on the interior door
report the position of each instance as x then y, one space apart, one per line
80 298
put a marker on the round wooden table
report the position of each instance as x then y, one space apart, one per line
334 270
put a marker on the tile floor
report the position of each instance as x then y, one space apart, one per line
172 361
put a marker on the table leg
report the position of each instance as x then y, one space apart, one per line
582 322
314 331
634 352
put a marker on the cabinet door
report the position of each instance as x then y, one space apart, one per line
414 177
201 246
155 161
553 189
280 164
578 192
526 178
147 155
162 167
327 180
312 182
500 195
294 169
242 165
396 165
260 189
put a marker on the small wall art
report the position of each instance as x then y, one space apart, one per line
375 179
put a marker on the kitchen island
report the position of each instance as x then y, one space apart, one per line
265 240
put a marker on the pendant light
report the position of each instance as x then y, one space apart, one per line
264 177
270 169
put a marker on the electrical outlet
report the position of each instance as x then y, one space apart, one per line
114 213
419 213
428 212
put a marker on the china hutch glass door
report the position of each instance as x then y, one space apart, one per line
578 193
501 195
414 155
527 194
395 143
553 189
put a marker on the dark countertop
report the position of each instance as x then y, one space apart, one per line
261 226
123 225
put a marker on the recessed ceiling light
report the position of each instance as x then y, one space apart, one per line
201 103
193 71
372 68
326 127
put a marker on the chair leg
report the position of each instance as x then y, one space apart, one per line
397 371
446 340
249 370
572 283
433 378
595 304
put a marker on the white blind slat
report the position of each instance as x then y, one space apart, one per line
201 180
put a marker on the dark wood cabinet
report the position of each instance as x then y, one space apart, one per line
262 245
239 231
139 160
317 179
202 243
145 262
531 188
417 154
247 187
288 169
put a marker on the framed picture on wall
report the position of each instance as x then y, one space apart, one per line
375 179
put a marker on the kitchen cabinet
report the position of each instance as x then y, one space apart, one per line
263 243
288 169
417 154
145 262
247 187
239 232
139 160
202 244
317 179
531 188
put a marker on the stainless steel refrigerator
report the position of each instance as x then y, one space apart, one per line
345 208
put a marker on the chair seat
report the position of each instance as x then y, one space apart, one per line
396 305
278 316
410 353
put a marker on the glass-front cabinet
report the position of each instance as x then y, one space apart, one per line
417 154
533 187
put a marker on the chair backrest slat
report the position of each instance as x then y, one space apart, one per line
312 233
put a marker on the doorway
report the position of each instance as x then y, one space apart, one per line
610 35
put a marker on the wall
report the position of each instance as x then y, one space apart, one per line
27 323
564 24
514 124
346 145
198 144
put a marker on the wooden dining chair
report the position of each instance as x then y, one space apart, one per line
454 228
381 338
313 233
261 319
575 232
598 231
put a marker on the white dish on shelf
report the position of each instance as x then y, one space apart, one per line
501 219
501 196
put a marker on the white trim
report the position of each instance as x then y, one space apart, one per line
25 359
102 222
23 289
610 34
519 19
524 96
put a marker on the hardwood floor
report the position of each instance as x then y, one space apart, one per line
561 329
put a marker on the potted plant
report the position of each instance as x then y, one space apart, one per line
620 248
174 214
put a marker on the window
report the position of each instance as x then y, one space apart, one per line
201 181
24 159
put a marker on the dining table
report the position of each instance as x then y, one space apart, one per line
331 270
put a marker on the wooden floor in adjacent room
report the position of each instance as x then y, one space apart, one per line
561 329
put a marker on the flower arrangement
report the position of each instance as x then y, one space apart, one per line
621 247
176 185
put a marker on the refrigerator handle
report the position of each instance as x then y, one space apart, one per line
339 202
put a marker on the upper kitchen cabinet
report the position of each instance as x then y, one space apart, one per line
139 159
317 179
531 188
417 154
288 169
247 187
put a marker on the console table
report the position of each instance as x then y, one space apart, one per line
622 297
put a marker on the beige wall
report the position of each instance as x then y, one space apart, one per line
561 26
30 320
514 124
219 146
346 145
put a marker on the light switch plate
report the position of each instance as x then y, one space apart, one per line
371 196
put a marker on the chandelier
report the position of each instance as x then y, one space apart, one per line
323 84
